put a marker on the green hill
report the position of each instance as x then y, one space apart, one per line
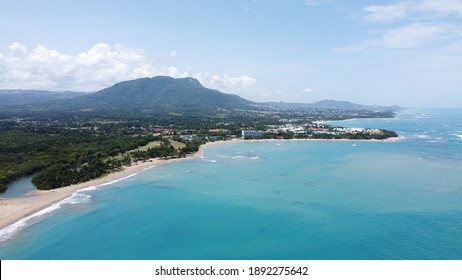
159 95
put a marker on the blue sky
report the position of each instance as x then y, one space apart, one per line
405 52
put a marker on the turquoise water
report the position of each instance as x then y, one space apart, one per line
273 200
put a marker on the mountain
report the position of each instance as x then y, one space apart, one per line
334 104
15 97
346 105
158 95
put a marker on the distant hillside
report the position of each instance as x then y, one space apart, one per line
15 97
158 95
333 104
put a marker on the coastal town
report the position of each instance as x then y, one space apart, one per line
68 151
313 130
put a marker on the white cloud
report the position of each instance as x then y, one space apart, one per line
307 90
443 7
413 35
426 9
174 72
383 13
18 50
173 54
100 66
96 68
243 81
424 22
226 83
221 82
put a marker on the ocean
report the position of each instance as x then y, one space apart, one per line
273 200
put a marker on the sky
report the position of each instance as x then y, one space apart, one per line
403 52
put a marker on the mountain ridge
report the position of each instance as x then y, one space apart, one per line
158 95
14 97
161 94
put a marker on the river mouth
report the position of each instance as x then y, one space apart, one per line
22 187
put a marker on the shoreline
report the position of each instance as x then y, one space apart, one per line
390 139
14 210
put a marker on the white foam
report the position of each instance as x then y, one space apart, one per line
75 198
456 134
10 230
144 169
237 157
78 198
118 180
89 189
423 116
255 158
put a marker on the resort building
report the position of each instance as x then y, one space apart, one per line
251 134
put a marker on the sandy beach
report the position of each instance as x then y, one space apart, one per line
15 209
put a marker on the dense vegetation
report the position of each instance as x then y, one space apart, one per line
61 156
61 152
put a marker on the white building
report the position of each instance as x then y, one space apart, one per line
249 134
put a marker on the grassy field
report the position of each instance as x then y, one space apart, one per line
150 145
176 145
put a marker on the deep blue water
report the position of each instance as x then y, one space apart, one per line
274 200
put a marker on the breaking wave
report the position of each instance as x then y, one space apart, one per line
76 198
11 230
